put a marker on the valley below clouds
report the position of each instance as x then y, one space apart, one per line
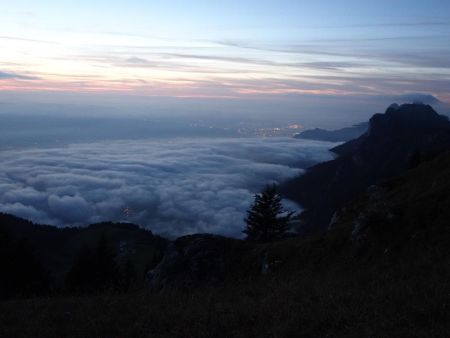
173 186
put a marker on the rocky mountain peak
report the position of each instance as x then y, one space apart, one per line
407 117
395 141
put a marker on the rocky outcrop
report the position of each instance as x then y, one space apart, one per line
401 216
375 211
395 142
194 261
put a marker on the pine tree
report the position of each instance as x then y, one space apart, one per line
266 219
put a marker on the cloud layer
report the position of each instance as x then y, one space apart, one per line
173 187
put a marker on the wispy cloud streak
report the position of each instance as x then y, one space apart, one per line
16 76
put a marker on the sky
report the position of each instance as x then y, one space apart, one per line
246 56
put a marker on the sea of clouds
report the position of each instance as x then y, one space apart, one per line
173 187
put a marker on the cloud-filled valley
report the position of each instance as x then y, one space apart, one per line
173 187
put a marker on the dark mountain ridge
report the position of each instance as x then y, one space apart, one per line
338 135
394 142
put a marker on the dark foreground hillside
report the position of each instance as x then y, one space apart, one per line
382 270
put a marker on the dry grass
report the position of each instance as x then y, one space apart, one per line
339 303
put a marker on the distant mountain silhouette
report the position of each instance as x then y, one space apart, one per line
339 135
394 142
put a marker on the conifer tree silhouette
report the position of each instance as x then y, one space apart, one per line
266 219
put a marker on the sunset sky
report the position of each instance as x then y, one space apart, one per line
226 49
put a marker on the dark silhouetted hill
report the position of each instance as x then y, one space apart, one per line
394 142
339 135
57 249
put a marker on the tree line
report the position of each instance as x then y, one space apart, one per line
95 269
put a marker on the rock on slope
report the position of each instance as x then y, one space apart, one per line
200 260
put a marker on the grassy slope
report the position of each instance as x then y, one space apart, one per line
320 286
